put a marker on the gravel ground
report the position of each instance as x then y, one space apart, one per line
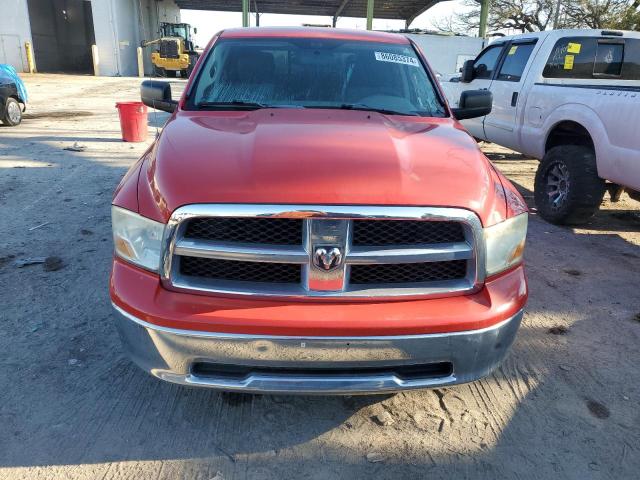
563 405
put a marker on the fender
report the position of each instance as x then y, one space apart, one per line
577 113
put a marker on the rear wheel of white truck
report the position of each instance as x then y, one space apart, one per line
567 187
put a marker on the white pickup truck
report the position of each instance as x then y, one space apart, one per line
570 98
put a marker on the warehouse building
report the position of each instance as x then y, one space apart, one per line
70 36
61 33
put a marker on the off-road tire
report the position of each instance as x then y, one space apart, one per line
11 113
567 187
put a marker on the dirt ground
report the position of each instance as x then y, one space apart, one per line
563 405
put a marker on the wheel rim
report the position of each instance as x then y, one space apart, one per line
557 185
13 112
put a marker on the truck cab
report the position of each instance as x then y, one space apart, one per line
502 68
575 90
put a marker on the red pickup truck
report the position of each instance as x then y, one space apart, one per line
314 219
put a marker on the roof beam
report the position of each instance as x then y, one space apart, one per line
406 10
419 12
255 4
339 11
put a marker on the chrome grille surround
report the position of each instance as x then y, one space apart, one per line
324 225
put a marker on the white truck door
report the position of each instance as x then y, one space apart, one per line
483 70
500 126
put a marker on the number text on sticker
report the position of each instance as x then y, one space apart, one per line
395 58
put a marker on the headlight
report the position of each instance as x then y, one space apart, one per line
505 243
136 238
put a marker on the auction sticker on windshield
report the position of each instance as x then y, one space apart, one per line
395 58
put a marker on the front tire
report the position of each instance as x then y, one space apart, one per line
12 113
159 71
567 187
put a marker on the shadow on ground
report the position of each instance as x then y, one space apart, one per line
74 406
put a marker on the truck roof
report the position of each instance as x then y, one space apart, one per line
315 32
571 33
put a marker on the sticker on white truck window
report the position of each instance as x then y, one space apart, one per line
395 58
573 47
513 50
568 62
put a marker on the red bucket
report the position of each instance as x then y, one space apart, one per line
133 121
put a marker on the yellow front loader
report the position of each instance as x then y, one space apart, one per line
175 51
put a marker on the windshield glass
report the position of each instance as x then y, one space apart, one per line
175 31
315 73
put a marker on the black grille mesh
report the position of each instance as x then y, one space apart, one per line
169 49
239 271
400 232
270 231
408 272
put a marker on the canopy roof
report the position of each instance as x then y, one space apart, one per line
406 10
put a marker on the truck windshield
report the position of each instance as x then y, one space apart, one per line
315 73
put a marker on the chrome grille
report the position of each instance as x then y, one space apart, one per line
398 232
347 252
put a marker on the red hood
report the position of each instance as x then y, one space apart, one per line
293 156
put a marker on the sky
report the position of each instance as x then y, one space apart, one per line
209 23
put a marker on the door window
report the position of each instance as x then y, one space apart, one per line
572 57
485 64
609 59
593 57
515 61
631 68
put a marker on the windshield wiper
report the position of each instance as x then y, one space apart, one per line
363 107
240 105
233 104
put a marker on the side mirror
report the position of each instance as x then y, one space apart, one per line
467 71
157 94
195 30
473 104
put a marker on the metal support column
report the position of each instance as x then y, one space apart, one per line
370 14
255 4
339 12
245 13
484 15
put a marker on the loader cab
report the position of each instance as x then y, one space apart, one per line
178 30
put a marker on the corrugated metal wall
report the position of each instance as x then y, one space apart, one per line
119 26
14 32
62 33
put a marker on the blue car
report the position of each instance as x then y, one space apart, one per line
13 96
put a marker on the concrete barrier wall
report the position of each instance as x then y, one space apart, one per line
446 53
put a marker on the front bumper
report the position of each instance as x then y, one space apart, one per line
180 63
311 364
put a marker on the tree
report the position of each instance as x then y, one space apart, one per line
521 16
512 15
613 14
